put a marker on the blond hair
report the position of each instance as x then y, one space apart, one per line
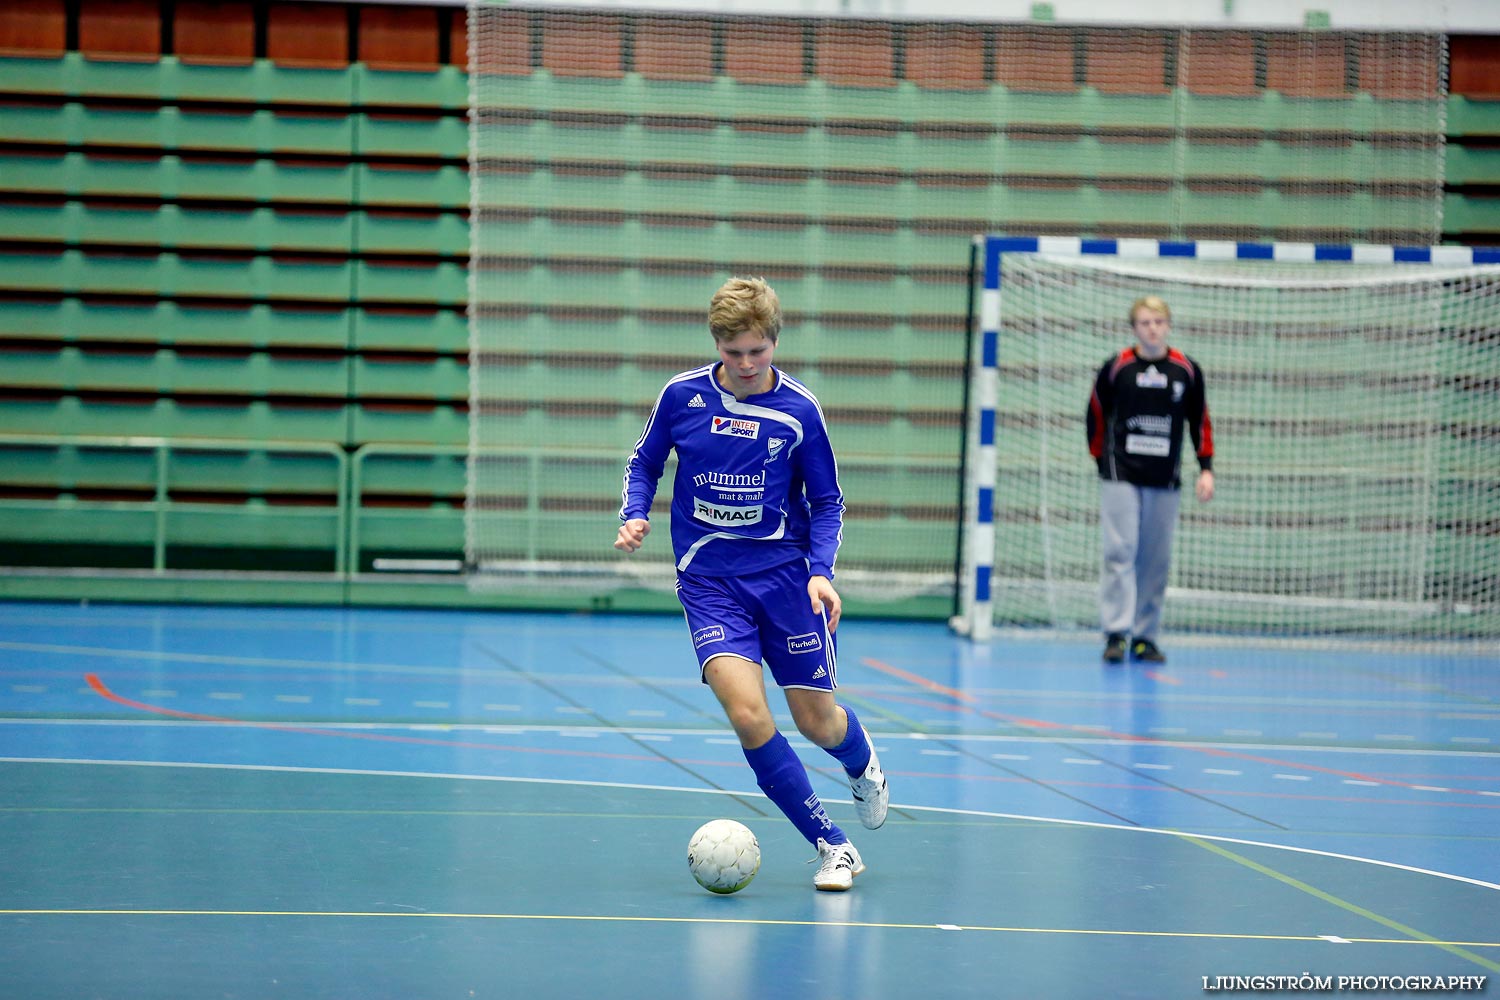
744 304
1153 302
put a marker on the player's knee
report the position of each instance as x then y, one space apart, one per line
821 726
752 723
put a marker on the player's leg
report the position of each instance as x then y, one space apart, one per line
803 656
741 690
779 772
837 730
832 727
1152 560
727 640
1119 527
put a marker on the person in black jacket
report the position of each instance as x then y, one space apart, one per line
1142 398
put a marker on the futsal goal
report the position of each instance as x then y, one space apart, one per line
1356 421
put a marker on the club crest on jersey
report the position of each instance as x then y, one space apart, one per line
1177 390
1151 379
737 427
773 448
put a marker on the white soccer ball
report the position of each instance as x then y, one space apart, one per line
723 856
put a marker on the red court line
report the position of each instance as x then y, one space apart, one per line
104 692
968 705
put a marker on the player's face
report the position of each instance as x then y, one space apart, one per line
1151 329
747 363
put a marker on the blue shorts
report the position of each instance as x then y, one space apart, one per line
765 616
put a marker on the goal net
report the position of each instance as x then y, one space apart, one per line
1353 404
624 162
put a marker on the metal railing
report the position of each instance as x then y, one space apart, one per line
161 504
162 485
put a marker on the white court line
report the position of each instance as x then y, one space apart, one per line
881 738
987 814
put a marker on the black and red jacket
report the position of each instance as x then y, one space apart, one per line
1136 414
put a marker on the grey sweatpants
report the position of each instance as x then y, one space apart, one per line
1136 523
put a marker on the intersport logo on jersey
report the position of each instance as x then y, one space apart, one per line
736 427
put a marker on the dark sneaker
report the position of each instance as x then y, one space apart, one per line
1114 648
1145 651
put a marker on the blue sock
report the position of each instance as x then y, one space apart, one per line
854 752
780 774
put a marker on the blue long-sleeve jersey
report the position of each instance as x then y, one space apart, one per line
756 483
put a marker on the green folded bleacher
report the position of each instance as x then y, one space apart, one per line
256 252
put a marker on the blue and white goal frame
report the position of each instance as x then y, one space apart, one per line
974 605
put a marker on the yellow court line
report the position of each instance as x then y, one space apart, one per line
763 922
1419 937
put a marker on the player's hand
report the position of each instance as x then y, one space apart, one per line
632 533
825 599
1205 486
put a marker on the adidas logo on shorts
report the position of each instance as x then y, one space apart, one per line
696 403
820 672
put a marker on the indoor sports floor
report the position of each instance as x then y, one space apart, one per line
215 802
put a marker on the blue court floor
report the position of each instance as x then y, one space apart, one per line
209 802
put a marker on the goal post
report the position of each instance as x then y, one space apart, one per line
1353 394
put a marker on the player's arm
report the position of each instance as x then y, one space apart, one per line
632 534
1095 418
1201 428
825 600
825 500
642 473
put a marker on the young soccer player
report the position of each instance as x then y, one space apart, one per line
757 517
1141 399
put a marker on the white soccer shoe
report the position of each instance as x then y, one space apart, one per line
837 866
871 796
